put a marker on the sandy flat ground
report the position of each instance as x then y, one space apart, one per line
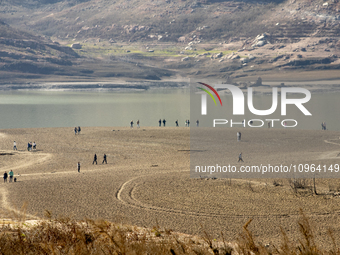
147 180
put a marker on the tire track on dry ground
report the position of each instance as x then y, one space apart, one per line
125 195
125 192
43 157
21 214
31 161
332 154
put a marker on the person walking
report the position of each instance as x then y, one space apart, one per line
34 146
5 176
188 123
164 121
11 174
15 146
238 136
78 167
131 124
197 123
75 130
94 159
160 122
104 159
138 124
240 157
79 129
176 122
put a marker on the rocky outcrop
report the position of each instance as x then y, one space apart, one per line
76 46
260 40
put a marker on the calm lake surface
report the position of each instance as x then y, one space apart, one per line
32 109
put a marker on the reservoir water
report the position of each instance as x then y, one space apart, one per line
33 108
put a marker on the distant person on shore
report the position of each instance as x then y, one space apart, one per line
160 122
78 167
29 146
268 124
323 125
197 123
75 130
34 146
138 124
188 121
176 122
11 174
15 146
164 121
94 159
104 159
131 124
238 136
5 176
240 157
79 129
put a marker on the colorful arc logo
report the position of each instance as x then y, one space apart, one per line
208 92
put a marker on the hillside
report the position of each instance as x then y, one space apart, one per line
26 56
202 38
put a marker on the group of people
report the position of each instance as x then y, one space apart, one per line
131 124
94 161
187 123
77 130
160 122
31 146
10 174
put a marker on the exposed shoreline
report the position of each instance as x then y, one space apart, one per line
316 86
95 86
147 180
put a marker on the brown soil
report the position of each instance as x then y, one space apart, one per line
146 181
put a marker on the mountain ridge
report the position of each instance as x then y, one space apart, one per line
191 38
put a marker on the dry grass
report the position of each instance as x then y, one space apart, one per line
306 244
67 236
